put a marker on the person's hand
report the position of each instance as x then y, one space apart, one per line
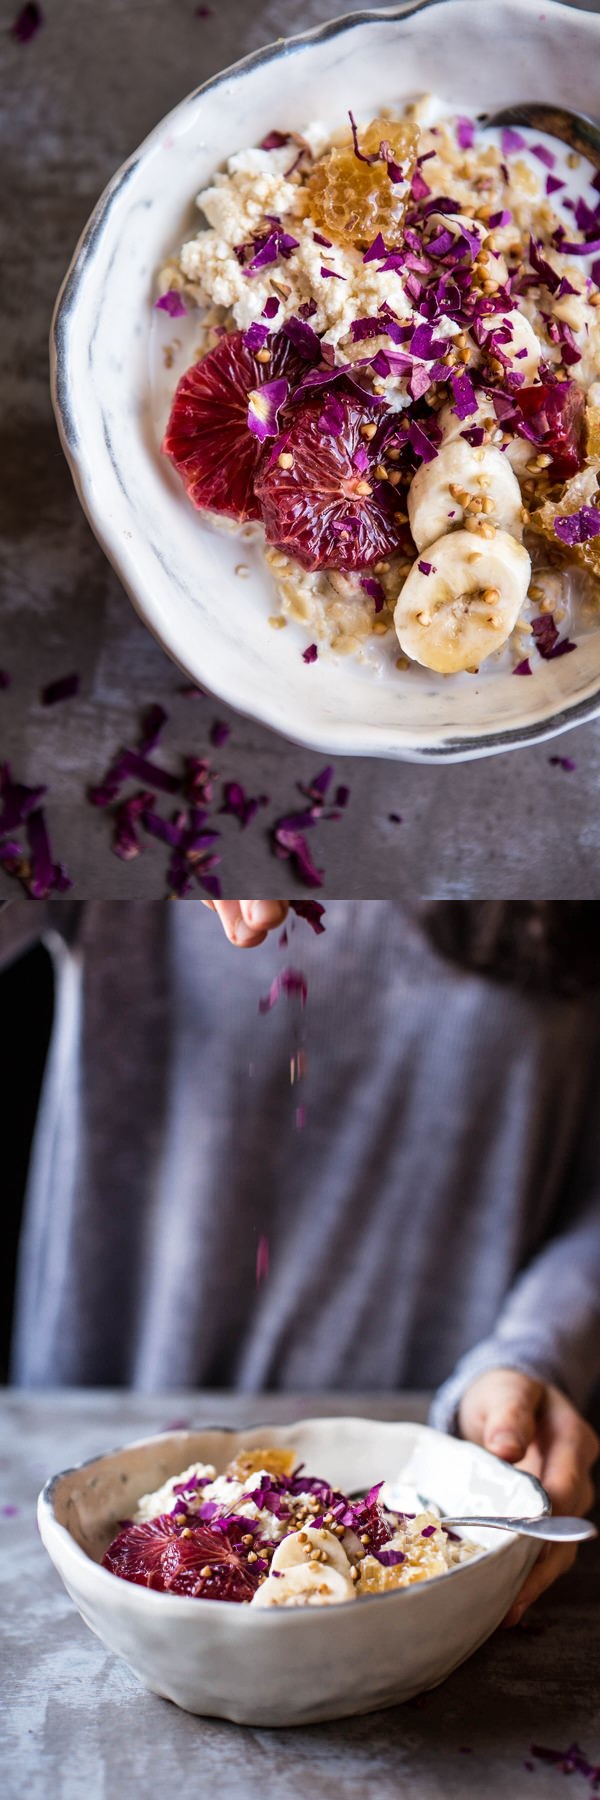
246 922
533 1425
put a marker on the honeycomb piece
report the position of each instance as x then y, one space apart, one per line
276 1461
592 425
350 200
582 490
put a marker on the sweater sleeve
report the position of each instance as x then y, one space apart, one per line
549 1325
24 923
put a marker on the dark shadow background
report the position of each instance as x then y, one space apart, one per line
26 1002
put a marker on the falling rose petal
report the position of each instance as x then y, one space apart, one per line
420 443
28 21
419 381
465 133
475 435
197 782
562 762
573 248
292 844
419 188
154 717
545 156
570 1762
342 796
523 667
332 418
578 527
374 589
5 679
547 640
395 818
126 843
256 336
268 248
542 267
171 303
376 250
262 1260
290 982
219 733
274 140
239 804
263 407
310 654
360 154
130 764
300 1118
9 1511
46 876
18 800
62 689
303 338
464 398
320 783
312 911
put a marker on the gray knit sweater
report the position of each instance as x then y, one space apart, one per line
437 1215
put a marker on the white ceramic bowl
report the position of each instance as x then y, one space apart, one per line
296 1667
179 572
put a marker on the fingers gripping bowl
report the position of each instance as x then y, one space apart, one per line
290 1665
212 599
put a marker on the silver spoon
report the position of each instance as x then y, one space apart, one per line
581 133
550 1526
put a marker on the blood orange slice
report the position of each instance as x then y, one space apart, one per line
328 509
137 1553
207 436
556 415
209 1566
203 1562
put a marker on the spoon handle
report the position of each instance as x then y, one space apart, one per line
550 1527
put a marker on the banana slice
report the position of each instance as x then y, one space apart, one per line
458 224
452 426
522 339
299 1547
308 1584
469 604
462 473
518 451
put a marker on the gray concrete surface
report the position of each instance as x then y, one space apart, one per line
76 1722
75 101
